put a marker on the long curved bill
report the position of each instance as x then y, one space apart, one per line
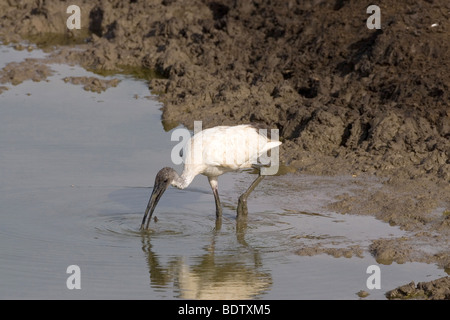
152 202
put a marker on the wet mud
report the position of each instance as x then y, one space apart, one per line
438 289
93 84
29 69
347 100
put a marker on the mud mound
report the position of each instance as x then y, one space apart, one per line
92 83
376 99
434 290
17 72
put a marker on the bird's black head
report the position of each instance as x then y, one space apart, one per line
165 177
163 180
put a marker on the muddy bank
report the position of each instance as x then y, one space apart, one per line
15 73
376 99
93 84
346 99
435 290
29 69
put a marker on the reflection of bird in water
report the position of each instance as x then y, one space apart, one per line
213 152
227 281
230 275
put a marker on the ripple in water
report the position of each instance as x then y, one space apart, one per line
167 225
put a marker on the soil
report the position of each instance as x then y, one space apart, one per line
93 84
435 290
346 99
17 72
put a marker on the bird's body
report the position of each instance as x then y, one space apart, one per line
213 152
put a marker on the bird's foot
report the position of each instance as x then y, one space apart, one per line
242 206
218 212
218 224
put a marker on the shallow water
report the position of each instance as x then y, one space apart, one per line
76 172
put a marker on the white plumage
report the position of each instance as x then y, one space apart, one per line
213 152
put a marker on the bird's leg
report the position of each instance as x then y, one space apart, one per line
241 229
242 203
214 187
218 205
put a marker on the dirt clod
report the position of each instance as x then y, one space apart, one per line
438 289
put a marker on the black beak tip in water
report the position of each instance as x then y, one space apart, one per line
162 182
152 202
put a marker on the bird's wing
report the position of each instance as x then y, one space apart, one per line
231 147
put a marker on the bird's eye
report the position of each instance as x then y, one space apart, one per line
165 180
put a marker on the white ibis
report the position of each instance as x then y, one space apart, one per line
213 152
